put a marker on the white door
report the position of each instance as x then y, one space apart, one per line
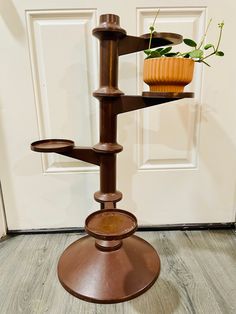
178 163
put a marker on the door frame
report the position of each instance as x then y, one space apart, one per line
3 222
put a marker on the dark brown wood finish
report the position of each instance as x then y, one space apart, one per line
93 275
170 96
108 32
111 224
86 154
52 146
109 268
126 103
130 44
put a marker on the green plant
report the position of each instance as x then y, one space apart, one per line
199 52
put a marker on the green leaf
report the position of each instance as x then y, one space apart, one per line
159 49
147 52
220 53
208 46
171 54
151 28
186 55
197 53
155 54
190 42
165 50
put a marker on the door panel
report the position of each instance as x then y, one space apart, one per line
64 77
159 146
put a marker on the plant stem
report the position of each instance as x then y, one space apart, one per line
153 29
217 46
204 36
211 54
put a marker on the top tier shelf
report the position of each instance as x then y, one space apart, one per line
109 28
130 44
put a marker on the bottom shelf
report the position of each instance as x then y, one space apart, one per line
111 224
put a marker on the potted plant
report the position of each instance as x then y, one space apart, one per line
167 71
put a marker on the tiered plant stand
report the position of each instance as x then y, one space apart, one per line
110 264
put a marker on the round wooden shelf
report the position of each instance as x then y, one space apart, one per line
52 146
111 224
170 38
168 95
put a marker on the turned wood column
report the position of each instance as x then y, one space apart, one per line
108 32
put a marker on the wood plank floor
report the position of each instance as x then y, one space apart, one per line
198 275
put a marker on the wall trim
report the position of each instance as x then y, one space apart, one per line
167 227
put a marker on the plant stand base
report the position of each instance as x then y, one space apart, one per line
98 276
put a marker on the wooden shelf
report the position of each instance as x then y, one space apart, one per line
130 44
162 95
52 146
111 224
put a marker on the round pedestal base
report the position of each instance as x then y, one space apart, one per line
108 277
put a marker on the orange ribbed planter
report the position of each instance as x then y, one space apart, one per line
168 74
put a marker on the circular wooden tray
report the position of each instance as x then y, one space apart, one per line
111 224
168 95
52 145
167 38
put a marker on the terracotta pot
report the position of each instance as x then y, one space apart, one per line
168 74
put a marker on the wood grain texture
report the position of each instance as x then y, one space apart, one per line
198 275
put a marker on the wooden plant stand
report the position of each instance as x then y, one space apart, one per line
110 264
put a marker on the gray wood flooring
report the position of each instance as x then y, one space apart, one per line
198 275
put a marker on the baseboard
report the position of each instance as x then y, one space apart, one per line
190 226
167 227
